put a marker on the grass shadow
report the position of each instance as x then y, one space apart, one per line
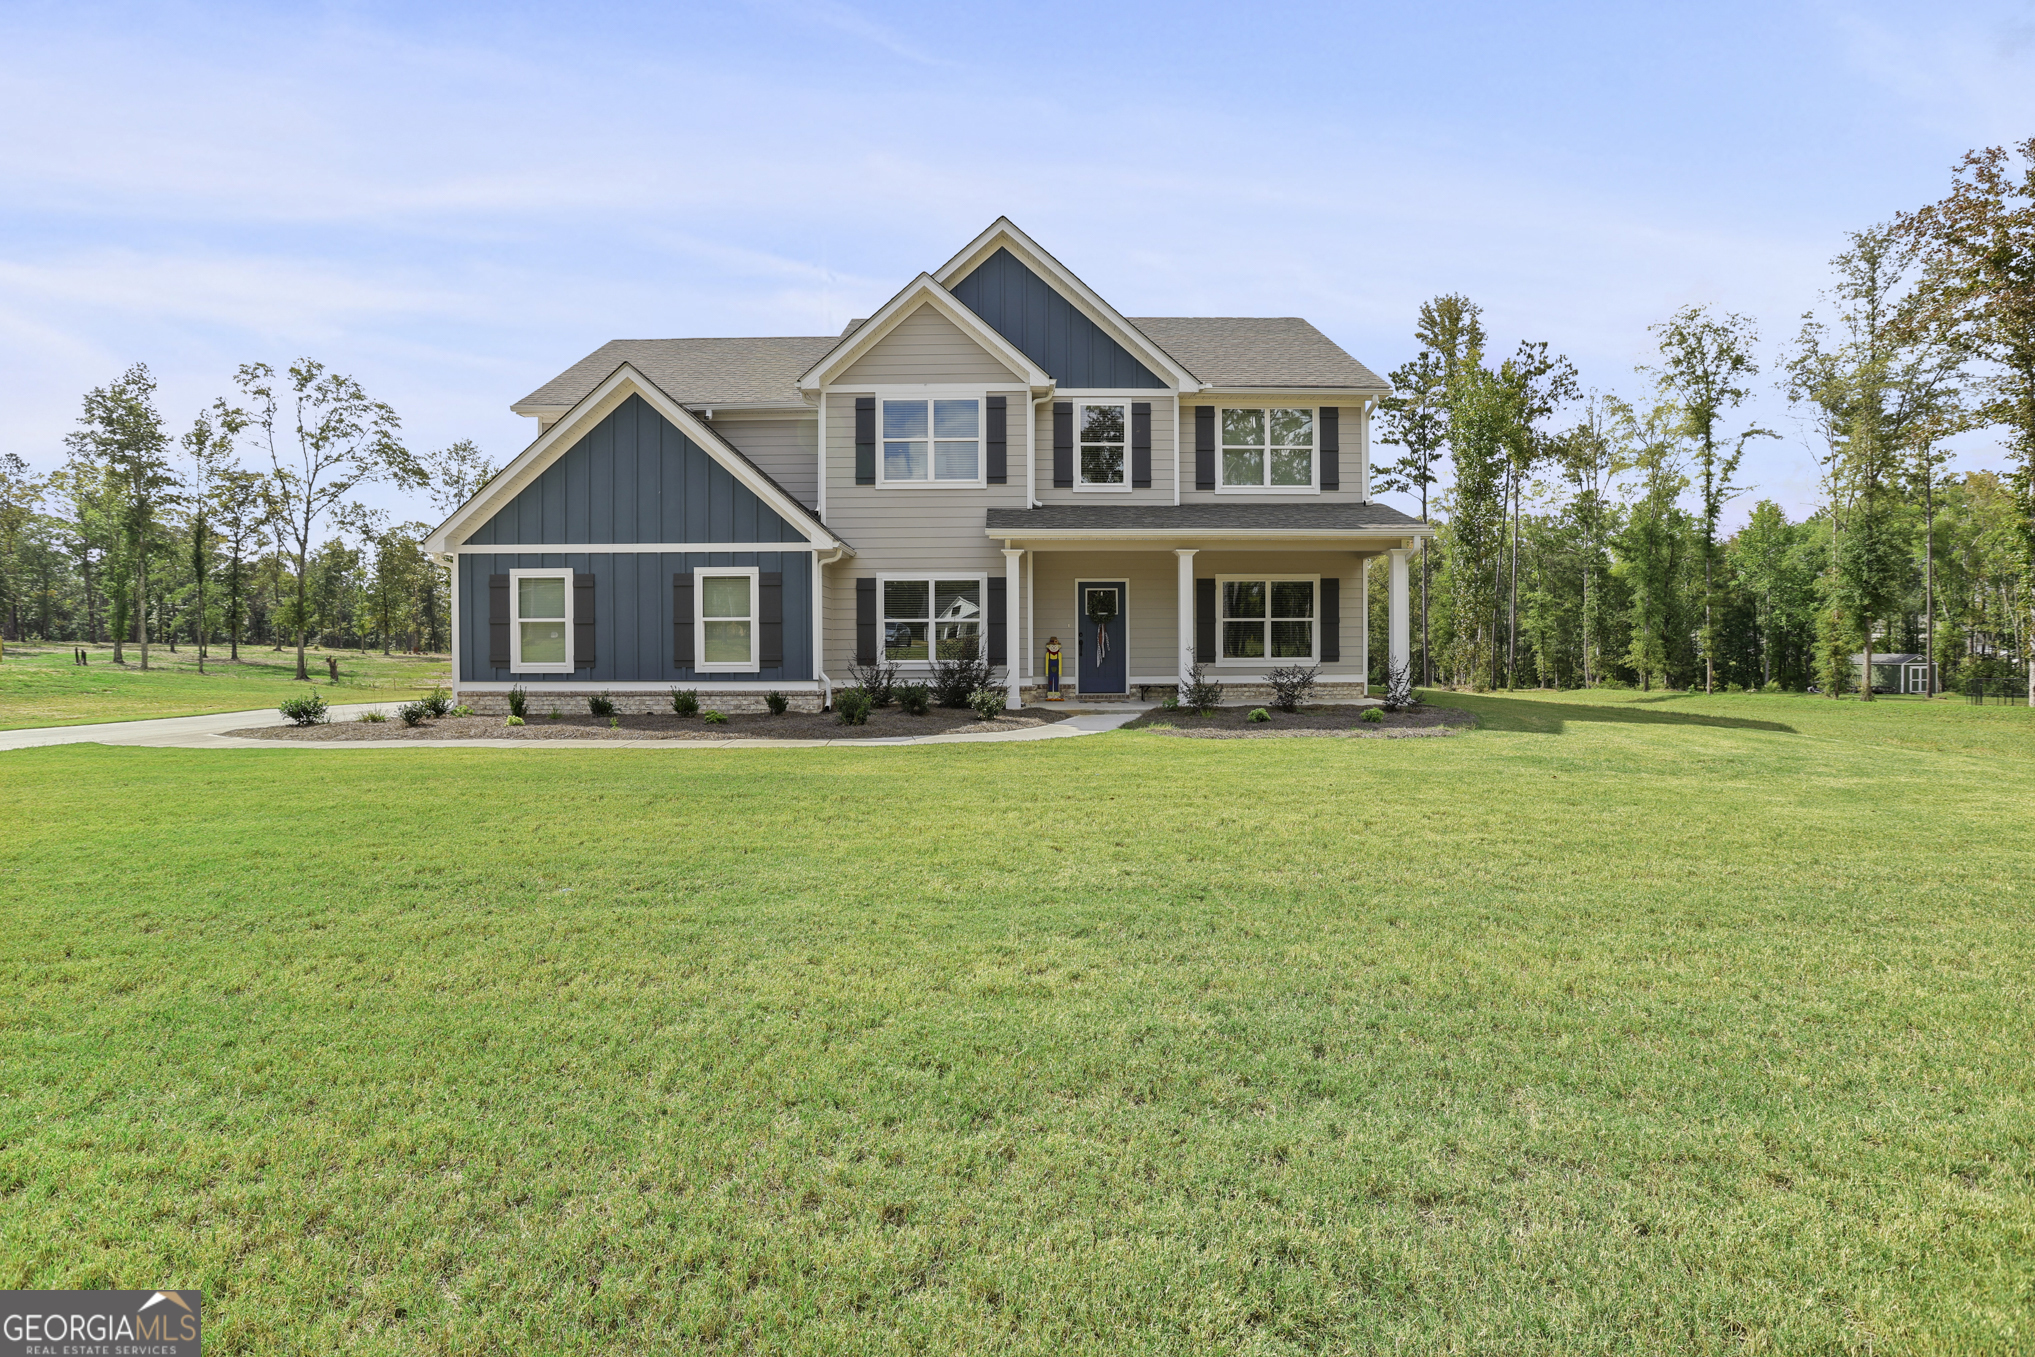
1547 718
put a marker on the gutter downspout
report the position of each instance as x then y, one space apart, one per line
826 685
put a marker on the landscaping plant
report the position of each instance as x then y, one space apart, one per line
916 699
685 702
513 721
373 716
308 709
437 702
777 702
600 704
956 680
1372 716
1292 685
851 706
413 713
1259 714
714 718
518 701
987 702
1203 694
879 680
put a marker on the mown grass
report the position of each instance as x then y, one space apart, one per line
1616 1026
40 686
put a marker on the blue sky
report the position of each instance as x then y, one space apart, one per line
455 202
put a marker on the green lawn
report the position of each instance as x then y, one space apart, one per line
40 686
1620 1025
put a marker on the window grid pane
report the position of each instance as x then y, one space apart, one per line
1243 640
1243 598
904 419
954 461
906 598
1101 465
727 642
540 596
1292 640
1293 598
724 596
1293 428
543 642
1293 466
1243 428
905 462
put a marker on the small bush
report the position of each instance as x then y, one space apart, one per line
685 702
1201 693
552 715
1171 702
1772 686
373 716
461 710
614 723
307 710
778 703
1259 714
513 721
879 680
988 702
915 698
959 672
437 702
1292 685
518 700
413 713
1372 716
713 718
600 704
851 706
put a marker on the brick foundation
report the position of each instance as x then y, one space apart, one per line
1233 694
572 701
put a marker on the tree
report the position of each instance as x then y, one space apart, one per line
239 512
209 445
121 433
1649 547
1590 458
1415 417
1538 385
1480 420
20 493
457 473
337 439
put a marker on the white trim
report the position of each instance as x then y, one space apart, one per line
1121 487
458 650
627 548
1179 446
1381 539
560 437
1363 452
930 394
1268 659
699 619
1265 487
1013 635
922 291
516 577
822 444
665 686
1081 619
1031 611
1183 612
981 577
1003 233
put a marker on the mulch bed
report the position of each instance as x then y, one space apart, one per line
1234 723
888 722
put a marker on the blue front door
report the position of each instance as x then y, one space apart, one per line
1101 628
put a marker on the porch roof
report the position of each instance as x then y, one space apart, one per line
1246 520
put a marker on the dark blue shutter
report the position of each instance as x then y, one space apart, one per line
1331 619
770 618
1141 445
1063 443
865 620
681 621
1330 420
999 460
1204 621
582 619
865 440
498 621
1204 447
999 620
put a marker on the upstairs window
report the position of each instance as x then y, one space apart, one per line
1268 449
1268 619
934 441
932 619
541 630
1101 430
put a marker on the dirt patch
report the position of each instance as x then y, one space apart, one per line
887 723
1234 723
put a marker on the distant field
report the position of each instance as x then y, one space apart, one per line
1624 1024
40 686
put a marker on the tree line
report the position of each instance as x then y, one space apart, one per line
146 536
1579 541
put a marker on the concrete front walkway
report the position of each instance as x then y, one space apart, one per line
208 732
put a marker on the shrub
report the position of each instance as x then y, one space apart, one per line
713 718
307 710
614 723
513 721
1292 685
879 680
461 710
915 698
518 701
1171 702
956 680
413 713
437 702
1373 716
1201 693
851 706
778 703
600 704
551 715
988 702
686 702
1259 714
1772 686
373 716
1399 689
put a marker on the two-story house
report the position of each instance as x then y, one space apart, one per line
996 458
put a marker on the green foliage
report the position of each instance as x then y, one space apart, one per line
777 702
1202 693
513 721
852 706
1292 685
916 699
307 709
988 703
373 716
1258 714
879 680
461 710
714 718
438 701
413 713
519 702
1373 716
958 678
685 701
600 704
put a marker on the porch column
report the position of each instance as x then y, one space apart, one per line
1013 644
1185 608
1399 648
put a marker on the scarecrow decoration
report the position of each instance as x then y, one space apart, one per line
1053 670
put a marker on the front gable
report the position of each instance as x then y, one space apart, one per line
1049 329
927 347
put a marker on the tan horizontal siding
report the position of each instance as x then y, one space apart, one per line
1163 440
785 449
925 347
1352 459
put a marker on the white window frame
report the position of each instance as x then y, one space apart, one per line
931 577
930 393
516 577
1102 487
703 573
1313 486
1267 660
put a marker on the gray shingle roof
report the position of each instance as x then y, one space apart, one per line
1257 351
762 371
1348 516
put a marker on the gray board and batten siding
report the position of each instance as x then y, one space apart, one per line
1050 330
633 478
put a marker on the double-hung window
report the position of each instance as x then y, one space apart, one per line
926 618
932 440
1268 449
1102 430
540 629
1268 619
725 641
